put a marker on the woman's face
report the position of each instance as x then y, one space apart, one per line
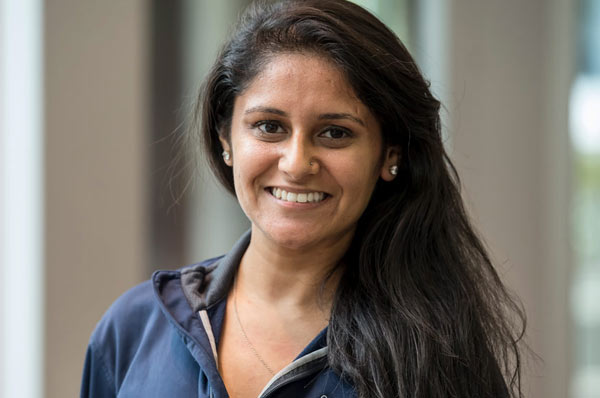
306 153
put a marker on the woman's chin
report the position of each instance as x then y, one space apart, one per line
291 237
292 241
299 237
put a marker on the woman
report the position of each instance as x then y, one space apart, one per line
361 275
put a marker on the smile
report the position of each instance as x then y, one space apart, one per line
303 197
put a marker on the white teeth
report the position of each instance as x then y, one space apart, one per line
297 197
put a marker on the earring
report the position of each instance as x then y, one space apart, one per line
226 155
394 170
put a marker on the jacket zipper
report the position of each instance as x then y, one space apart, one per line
312 362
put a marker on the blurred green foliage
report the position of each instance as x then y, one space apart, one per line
588 171
586 223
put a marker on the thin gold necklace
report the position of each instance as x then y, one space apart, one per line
237 316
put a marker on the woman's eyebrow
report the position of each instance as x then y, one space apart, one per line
332 116
265 109
324 116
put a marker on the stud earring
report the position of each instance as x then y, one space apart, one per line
394 170
226 155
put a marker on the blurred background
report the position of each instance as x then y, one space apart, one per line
97 188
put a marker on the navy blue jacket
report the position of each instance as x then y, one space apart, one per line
159 340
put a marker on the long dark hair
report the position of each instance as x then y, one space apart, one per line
420 310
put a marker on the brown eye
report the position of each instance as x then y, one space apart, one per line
269 127
336 133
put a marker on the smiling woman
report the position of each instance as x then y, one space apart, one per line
299 129
361 274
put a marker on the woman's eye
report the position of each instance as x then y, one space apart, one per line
269 127
335 133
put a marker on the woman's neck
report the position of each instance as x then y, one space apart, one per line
291 279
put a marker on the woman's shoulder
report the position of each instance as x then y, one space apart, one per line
122 327
132 307
115 340
140 306
135 326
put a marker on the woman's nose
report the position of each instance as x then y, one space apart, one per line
297 159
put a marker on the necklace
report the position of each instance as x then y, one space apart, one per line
237 316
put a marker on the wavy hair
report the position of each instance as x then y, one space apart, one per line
419 311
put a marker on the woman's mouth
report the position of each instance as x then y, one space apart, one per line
295 197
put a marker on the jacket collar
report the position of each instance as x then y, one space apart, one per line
205 285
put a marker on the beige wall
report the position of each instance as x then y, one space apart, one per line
95 73
511 63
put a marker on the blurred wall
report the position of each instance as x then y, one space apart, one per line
216 220
512 64
96 232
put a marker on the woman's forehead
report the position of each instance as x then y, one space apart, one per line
293 80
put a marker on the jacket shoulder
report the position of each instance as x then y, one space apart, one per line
138 308
115 339
141 323
132 309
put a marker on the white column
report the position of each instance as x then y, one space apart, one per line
21 199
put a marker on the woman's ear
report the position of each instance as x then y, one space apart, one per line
227 155
391 163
